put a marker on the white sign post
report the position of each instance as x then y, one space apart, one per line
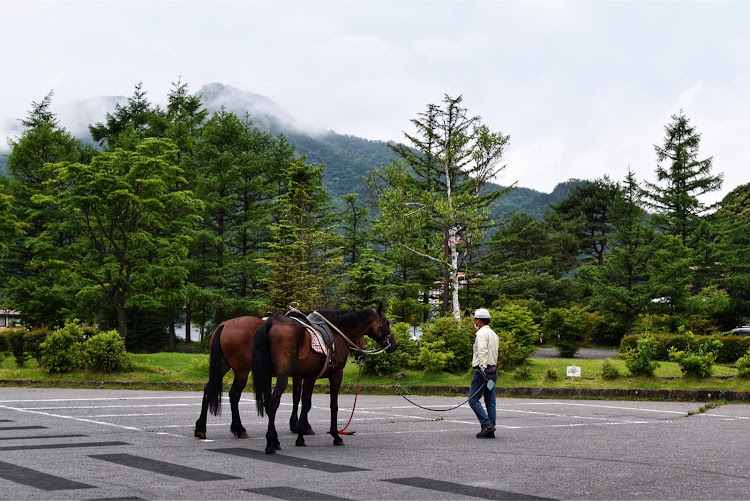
574 371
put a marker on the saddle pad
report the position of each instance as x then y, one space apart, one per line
317 343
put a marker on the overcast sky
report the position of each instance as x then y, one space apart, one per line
583 88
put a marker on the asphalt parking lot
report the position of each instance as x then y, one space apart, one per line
125 444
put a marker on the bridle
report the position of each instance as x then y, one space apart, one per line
352 345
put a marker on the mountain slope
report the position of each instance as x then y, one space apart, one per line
347 158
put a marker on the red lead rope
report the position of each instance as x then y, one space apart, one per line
343 431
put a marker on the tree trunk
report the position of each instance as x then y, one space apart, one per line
453 245
172 342
446 276
122 320
188 315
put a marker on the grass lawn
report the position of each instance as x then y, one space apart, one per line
190 371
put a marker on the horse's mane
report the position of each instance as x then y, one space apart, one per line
347 318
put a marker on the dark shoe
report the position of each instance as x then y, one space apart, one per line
486 432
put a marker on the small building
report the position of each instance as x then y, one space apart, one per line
9 318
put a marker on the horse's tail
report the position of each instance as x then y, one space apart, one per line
215 374
261 353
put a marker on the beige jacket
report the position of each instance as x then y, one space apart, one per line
485 347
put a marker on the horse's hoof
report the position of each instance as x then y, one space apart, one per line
271 450
338 441
309 431
300 443
200 434
242 435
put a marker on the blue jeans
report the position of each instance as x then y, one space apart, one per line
485 418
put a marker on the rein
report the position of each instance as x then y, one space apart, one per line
353 346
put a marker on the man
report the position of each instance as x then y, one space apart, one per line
484 362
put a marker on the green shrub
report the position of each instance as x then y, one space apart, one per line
640 360
4 347
552 374
434 357
32 343
16 343
458 339
523 372
743 365
696 363
515 326
390 363
732 348
104 352
609 371
573 327
60 351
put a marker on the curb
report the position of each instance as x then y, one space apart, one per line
520 392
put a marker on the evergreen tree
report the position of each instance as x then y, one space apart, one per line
585 215
304 254
129 124
128 227
451 157
233 177
732 266
681 180
31 277
622 288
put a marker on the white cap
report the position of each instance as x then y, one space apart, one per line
482 313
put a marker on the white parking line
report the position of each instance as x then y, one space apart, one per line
71 418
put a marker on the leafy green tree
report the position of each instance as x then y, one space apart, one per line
10 227
411 283
304 253
681 180
518 332
129 124
232 167
353 224
129 240
31 278
522 261
585 215
365 282
732 264
451 157
621 288
573 327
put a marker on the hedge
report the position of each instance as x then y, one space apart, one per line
733 347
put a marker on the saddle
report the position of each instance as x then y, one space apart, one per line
320 332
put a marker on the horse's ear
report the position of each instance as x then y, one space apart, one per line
380 308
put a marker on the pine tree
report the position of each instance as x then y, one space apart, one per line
31 276
304 255
681 180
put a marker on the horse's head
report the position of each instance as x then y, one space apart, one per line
381 331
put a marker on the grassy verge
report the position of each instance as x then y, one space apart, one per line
190 371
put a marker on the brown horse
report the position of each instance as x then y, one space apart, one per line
231 347
282 348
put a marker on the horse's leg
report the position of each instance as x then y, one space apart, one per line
272 437
304 423
335 381
200 425
296 393
235 392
